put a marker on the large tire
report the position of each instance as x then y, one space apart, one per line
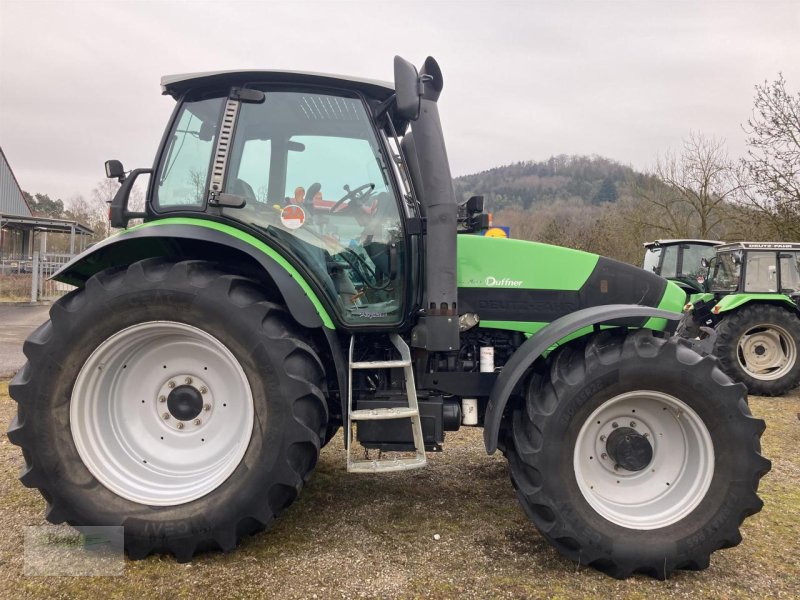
669 513
758 345
99 359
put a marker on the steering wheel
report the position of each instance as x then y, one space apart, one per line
358 195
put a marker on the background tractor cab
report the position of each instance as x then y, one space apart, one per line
751 296
680 260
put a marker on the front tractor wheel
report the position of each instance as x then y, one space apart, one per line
172 399
633 454
758 345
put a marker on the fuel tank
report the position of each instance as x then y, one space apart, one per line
523 286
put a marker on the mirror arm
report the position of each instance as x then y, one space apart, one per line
118 213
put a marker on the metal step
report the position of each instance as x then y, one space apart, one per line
386 464
381 364
376 414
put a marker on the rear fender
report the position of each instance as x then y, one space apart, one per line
536 345
184 238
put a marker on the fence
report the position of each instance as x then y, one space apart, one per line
28 279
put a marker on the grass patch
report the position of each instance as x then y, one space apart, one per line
372 536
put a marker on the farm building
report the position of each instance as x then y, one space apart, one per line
22 232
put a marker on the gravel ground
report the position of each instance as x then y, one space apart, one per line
368 536
17 321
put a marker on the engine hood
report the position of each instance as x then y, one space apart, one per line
514 284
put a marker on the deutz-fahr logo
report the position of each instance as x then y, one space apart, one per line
505 282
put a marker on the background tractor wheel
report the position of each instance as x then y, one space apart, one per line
626 464
758 345
171 399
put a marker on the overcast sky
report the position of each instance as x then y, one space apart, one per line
79 81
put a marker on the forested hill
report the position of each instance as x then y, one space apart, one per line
592 179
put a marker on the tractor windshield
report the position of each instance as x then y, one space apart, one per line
651 258
692 263
312 174
724 273
790 273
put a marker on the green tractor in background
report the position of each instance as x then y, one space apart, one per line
751 298
183 391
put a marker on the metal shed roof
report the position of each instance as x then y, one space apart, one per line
12 201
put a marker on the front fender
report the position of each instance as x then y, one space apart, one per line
537 344
734 301
170 237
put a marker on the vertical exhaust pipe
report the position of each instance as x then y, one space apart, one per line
417 96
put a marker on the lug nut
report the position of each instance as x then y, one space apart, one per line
180 424
602 438
206 407
171 384
162 398
188 380
203 389
165 416
647 435
197 421
614 425
633 423
604 456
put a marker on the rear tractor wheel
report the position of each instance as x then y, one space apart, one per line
171 399
758 345
634 454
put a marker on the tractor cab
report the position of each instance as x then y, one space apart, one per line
755 268
301 163
680 261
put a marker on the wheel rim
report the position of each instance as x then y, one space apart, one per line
672 483
767 352
161 413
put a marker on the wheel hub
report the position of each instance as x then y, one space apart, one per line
629 449
185 402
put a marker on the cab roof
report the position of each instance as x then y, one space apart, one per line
176 85
759 246
658 243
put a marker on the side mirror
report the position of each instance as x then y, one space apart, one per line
407 88
704 262
115 170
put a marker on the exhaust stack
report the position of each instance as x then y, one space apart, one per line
417 95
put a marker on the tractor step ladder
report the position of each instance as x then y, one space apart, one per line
376 414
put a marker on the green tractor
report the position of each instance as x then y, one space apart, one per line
680 260
751 298
303 266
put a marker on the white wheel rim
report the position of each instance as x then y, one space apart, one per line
121 422
666 490
767 352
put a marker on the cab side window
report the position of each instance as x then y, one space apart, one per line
183 175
